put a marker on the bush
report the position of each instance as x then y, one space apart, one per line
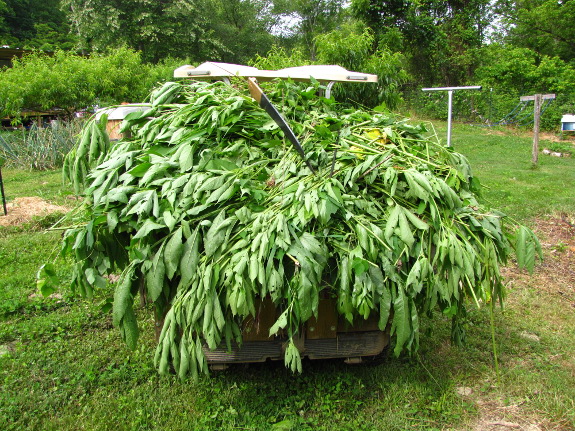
278 58
72 82
349 47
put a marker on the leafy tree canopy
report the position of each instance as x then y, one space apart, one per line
545 26
242 27
310 18
157 29
435 35
36 24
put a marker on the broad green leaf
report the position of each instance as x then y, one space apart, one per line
129 328
148 227
139 170
401 320
384 308
46 279
173 253
123 298
415 221
280 323
392 222
405 232
190 258
155 275
216 235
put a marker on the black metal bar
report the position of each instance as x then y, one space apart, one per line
3 194
260 97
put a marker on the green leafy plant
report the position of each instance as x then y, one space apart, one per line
206 210
70 82
39 148
351 46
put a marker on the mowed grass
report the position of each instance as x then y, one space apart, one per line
64 367
44 184
502 159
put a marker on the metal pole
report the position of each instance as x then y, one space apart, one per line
3 194
450 91
449 105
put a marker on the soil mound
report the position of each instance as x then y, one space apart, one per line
22 210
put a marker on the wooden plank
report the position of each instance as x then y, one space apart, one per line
324 73
325 326
258 328
543 97
536 122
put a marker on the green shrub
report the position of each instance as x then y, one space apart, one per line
72 82
278 58
351 47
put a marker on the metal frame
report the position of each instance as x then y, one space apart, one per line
450 91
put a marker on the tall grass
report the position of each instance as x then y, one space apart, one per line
39 148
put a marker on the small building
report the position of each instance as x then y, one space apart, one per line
7 54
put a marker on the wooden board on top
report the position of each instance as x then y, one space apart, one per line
324 73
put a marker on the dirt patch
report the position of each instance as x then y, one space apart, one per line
556 274
22 210
499 417
528 133
556 277
553 137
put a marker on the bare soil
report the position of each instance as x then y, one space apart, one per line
555 277
525 133
24 209
556 274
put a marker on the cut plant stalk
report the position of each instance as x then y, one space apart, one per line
2 191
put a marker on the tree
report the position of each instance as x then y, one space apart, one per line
34 24
438 37
158 29
545 26
310 18
4 29
241 26
352 46
515 71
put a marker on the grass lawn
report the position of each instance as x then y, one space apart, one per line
64 367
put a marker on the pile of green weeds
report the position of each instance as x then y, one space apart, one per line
206 208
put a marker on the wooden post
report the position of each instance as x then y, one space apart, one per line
537 98
536 123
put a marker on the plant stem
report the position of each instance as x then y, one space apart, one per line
494 345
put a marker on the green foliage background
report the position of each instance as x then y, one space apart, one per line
511 48
72 82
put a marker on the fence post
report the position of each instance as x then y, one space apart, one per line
536 124
537 98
